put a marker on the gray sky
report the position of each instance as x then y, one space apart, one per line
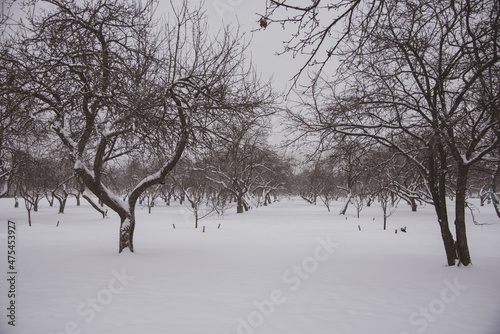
264 43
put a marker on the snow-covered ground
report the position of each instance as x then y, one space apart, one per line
289 268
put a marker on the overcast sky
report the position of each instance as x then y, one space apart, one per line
264 43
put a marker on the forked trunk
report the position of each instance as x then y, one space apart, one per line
62 200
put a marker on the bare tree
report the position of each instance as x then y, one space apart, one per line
349 159
310 183
236 159
192 181
272 175
420 77
17 129
112 81
31 181
320 180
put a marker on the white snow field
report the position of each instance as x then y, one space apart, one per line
291 268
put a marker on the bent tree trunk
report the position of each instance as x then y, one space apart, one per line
346 204
124 211
460 203
94 205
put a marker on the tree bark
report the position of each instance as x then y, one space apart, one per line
437 184
29 217
413 204
239 206
460 228
127 225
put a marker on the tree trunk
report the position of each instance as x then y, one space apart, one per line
36 200
127 226
50 199
29 207
460 228
62 201
493 197
439 199
413 204
495 202
437 184
383 205
449 243
344 208
239 206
